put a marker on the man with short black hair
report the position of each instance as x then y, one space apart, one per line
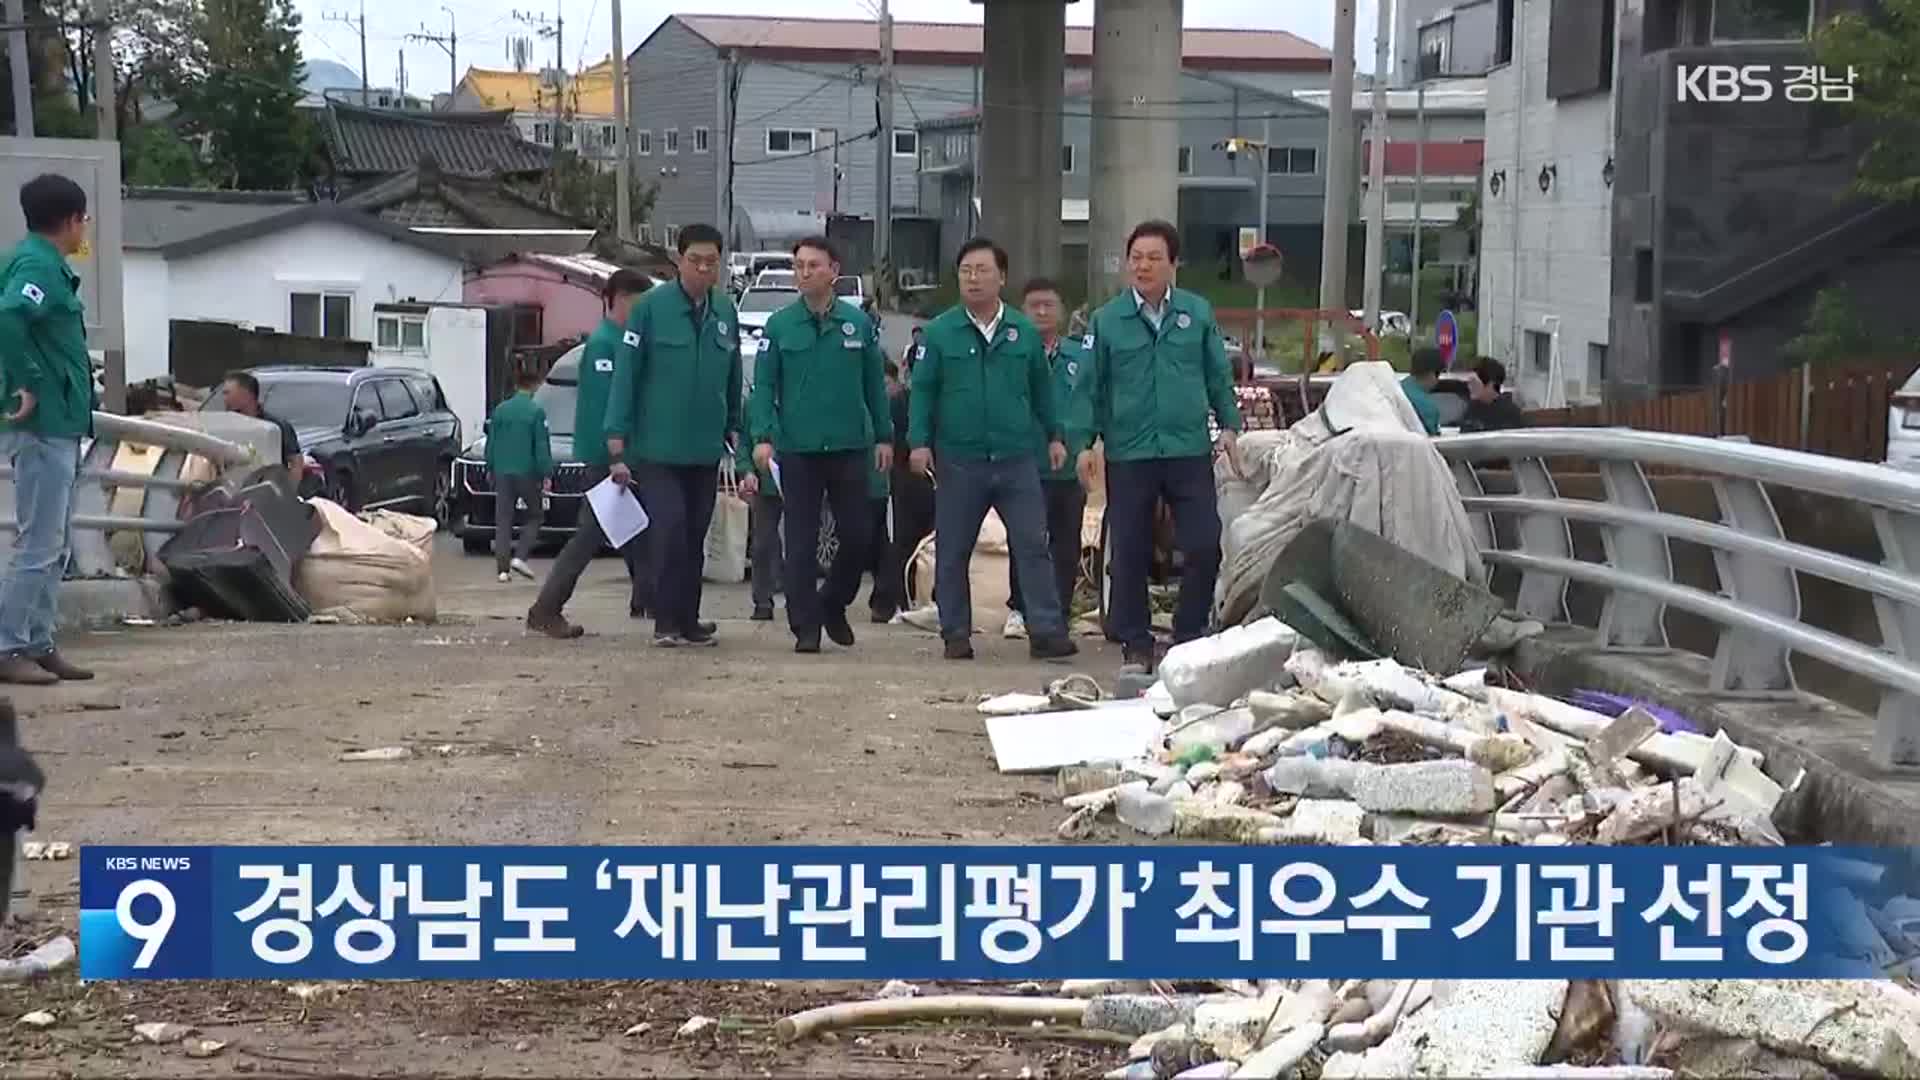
1488 407
1066 498
983 400
240 392
1423 374
820 410
675 405
1157 373
47 400
520 460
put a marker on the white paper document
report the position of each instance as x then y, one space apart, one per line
620 515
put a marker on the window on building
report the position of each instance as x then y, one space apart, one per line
1540 351
1580 48
956 148
1185 167
609 137
702 140
1596 365
320 314
670 141
643 142
1504 24
543 133
1436 49
669 235
784 141
404 332
906 143
1293 160
1066 157
565 133
1643 276
1762 20
926 157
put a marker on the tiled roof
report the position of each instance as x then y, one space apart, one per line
155 218
590 92
1462 158
418 198
960 43
373 141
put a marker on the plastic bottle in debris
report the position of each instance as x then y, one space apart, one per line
1221 730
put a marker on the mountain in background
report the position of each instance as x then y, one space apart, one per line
324 75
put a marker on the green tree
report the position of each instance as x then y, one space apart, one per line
1837 331
153 155
239 87
587 192
1883 49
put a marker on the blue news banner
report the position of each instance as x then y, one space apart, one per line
960 912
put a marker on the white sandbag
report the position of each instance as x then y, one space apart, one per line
357 568
1382 473
417 531
1224 668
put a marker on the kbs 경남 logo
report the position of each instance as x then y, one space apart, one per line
1723 83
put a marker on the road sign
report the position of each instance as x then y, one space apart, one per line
1446 335
1264 265
1249 239
1726 349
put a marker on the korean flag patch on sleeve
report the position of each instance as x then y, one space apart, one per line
1087 342
630 339
603 364
34 293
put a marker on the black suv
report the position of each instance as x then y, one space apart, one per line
472 503
373 437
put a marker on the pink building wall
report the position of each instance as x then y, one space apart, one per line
570 302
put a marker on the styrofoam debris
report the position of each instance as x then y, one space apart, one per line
161 1033
1137 1014
39 1018
696 1025
1318 822
1292 711
1426 787
50 957
897 988
1015 704
1225 667
379 753
1144 811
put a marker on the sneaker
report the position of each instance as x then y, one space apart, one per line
554 626
960 650
519 566
56 664
806 644
839 631
1016 626
504 577
706 628
1052 649
664 640
23 671
701 636
763 613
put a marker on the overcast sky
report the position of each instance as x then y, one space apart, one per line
486 27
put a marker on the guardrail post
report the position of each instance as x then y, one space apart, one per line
91 557
1896 734
1745 662
1542 596
1467 479
1629 621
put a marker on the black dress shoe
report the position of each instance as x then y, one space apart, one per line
763 613
839 631
960 650
1052 649
806 644
57 666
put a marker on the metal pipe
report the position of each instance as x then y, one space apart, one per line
110 523
112 478
141 432
1338 211
1376 260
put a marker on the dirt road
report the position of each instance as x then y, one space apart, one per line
233 733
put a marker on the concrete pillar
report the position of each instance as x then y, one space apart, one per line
1023 85
1136 130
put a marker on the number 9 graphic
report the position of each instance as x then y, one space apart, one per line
151 934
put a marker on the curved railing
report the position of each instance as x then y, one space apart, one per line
1758 608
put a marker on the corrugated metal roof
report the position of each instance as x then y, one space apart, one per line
372 141
962 42
583 265
154 218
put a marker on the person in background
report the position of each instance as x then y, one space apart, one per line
590 445
1423 374
914 349
240 392
46 407
983 401
1156 373
675 404
1489 408
1066 498
889 593
764 547
912 491
520 457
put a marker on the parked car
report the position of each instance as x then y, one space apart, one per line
374 437
745 267
775 279
472 510
756 306
1903 426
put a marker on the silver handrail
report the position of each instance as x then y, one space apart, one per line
1758 610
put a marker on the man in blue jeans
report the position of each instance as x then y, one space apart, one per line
983 400
46 392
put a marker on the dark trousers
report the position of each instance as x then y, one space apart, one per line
912 518
679 504
1134 490
1066 508
765 543
508 491
585 545
807 481
968 489
889 580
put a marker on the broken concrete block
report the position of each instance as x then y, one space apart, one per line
1262 743
1315 778
1232 1026
1212 1070
1143 1046
1628 730
1646 812
1483 1027
1856 1038
1426 787
1145 812
1725 774
1181 791
1137 1014
1318 822
1229 824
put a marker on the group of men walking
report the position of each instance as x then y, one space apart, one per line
1002 414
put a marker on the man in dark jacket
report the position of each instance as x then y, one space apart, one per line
1488 408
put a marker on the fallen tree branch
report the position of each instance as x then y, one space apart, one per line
944 1007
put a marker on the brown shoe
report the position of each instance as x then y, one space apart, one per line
61 669
554 626
23 671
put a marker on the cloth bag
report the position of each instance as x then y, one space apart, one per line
360 569
726 562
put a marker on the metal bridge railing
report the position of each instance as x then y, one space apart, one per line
158 511
1758 608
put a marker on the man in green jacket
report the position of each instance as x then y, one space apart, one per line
983 401
1158 372
520 459
675 411
820 404
1066 498
46 408
595 381
1423 375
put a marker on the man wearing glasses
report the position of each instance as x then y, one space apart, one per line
676 389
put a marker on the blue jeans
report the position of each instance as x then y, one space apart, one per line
45 470
967 490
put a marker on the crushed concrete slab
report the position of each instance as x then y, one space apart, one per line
1212 821
1628 730
1137 1014
1426 787
1318 823
1691 1054
1474 1027
1857 1037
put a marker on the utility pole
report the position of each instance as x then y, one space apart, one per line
400 91
1338 212
552 29
359 25
1377 167
1419 193
883 212
108 120
623 193
21 70
1260 294
450 44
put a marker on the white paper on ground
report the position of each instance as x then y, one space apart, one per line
1043 742
620 515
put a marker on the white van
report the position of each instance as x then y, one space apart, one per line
1903 426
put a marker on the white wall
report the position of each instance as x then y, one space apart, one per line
456 354
1545 258
252 281
145 304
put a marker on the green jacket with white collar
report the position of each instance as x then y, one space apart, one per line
820 384
975 400
1152 390
676 379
